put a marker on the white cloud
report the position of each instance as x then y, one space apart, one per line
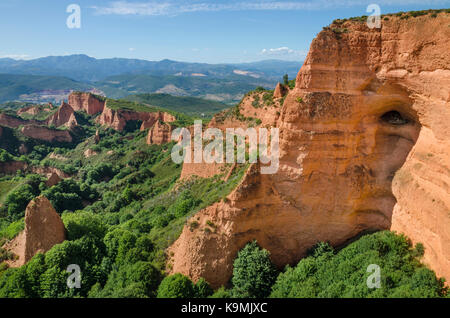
172 7
283 51
131 49
16 56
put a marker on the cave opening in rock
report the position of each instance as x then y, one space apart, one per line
394 117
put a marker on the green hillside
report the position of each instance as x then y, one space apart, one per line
228 90
188 105
13 86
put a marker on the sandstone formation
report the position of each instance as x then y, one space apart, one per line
280 91
11 167
46 134
54 179
87 102
97 137
64 116
43 229
31 110
364 145
11 121
35 110
159 134
23 149
267 114
48 171
118 118
89 153
157 116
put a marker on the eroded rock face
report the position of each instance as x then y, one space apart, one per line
364 145
86 102
161 116
118 118
54 179
64 116
43 229
280 91
34 110
159 134
12 167
46 134
11 121
89 153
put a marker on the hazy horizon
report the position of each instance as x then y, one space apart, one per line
148 60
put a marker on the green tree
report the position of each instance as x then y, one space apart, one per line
176 286
253 272
82 223
202 289
18 199
286 79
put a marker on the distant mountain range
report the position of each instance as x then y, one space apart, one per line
28 80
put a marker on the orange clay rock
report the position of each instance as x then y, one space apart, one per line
254 110
46 134
118 118
159 134
280 91
87 102
43 229
364 145
64 116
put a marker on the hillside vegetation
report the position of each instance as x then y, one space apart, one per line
188 105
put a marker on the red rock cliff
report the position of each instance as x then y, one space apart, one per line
46 134
364 145
118 118
159 134
64 116
86 102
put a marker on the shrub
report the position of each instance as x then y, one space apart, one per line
344 274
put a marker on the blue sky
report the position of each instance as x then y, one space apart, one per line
212 31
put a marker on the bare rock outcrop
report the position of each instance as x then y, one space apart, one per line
260 114
118 118
12 121
46 134
54 179
97 137
364 145
87 102
157 116
11 167
159 134
64 116
35 110
280 91
89 153
43 229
